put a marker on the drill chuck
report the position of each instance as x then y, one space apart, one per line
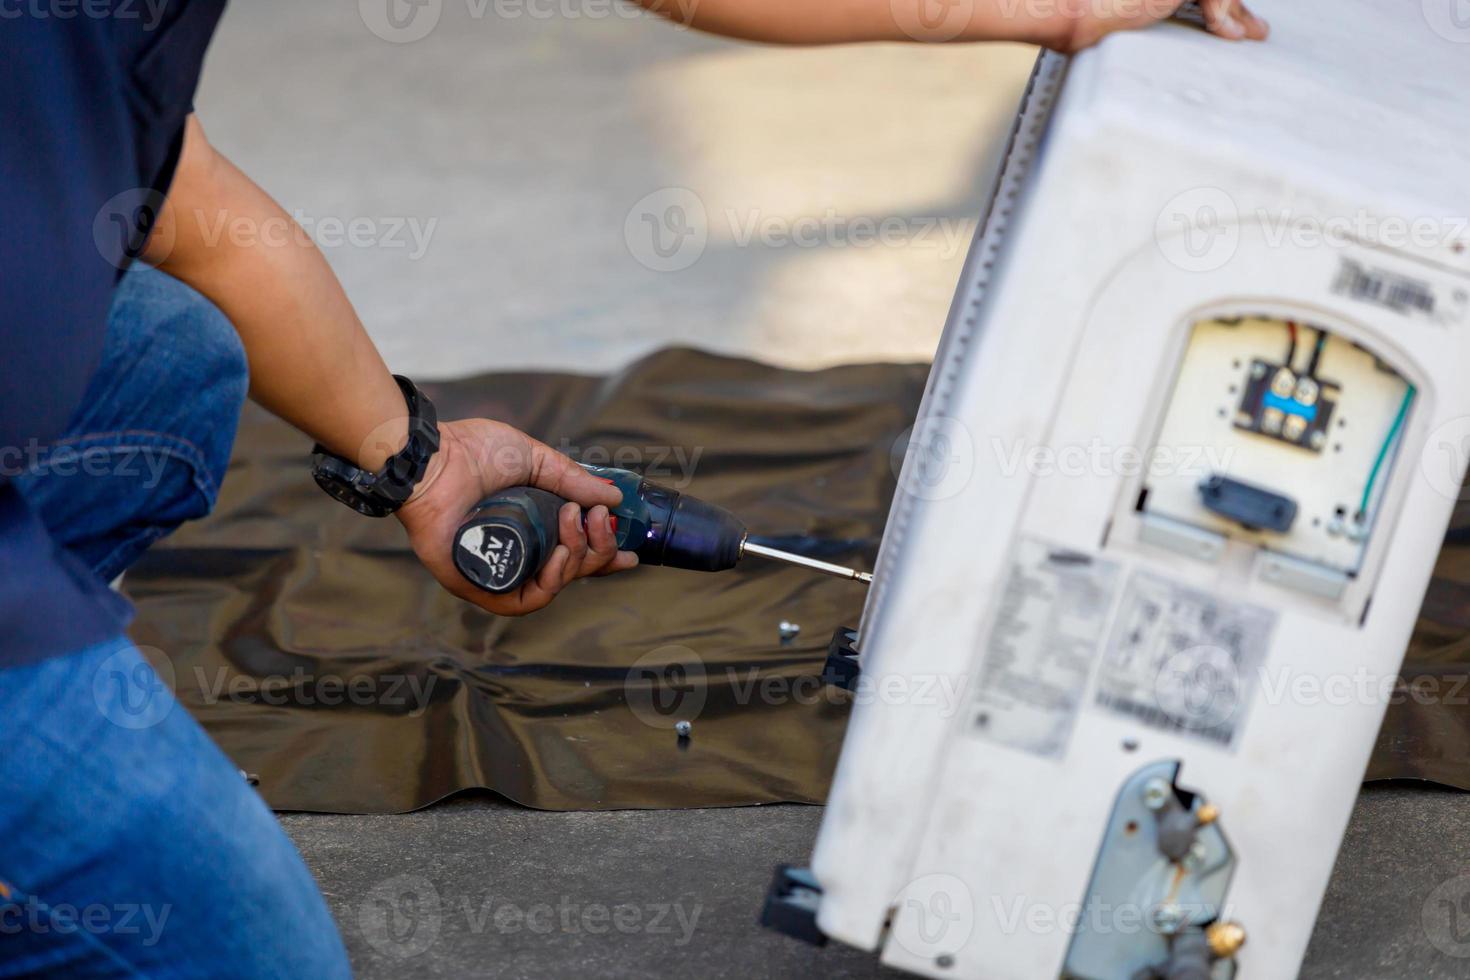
685 532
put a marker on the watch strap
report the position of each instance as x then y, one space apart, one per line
378 494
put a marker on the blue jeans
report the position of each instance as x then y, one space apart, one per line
129 844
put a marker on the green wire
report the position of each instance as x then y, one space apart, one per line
1398 423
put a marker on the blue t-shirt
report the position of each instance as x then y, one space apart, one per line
93 99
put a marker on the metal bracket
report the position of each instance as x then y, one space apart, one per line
842 668
791 905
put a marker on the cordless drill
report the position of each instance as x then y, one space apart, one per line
508 537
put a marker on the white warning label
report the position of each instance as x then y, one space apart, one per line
1183 660
1051 620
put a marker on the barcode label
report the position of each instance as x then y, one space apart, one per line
1400 293
1158 718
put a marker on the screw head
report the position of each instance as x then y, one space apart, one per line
683 728
1155 794
788 630
1168 918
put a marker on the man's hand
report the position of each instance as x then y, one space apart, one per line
478 457
1092 20
1067 26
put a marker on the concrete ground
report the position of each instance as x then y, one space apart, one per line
558 183
480 888
553 183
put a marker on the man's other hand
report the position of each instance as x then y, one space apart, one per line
1088 21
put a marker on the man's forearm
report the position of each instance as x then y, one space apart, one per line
850 21
311 361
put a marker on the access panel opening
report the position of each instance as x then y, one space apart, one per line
1295 431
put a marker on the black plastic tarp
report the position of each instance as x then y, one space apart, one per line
327 663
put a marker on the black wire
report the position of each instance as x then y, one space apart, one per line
1317 353
1291 350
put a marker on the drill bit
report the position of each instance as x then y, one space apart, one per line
827 568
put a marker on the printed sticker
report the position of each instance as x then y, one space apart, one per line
1051 620
1183 660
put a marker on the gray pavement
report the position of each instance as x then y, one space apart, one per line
478 189
476 887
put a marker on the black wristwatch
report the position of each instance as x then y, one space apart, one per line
380 494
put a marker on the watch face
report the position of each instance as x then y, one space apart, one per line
348 493
380 494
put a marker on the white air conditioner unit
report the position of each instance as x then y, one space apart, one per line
1187 454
